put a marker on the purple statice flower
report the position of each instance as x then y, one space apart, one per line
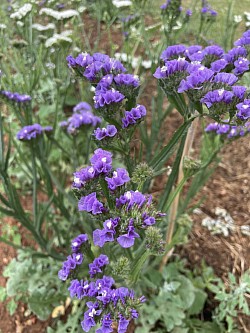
114 66
90 204
241 66
101 161
196 79
69 265
218 65
82 118
83 60
104 84
244 40
173 51
213 12
226 78
47 129
84 175
78 241
212 127
217 96
63 124
189 12
165 5
133 116
101 236
127 240
89 316
127 80
97 264
29 132
122 324
82 106
15 97
171 67
109 97
214 50
239 92
197 56
192 49
243 110
106 324
71 61
131 198
119 178
232 55
101 133
231 131
204 10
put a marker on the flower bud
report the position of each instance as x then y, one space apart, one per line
154 241
190 166
121 267
141 173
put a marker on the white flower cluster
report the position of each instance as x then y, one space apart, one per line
41 27
121 3
222 225
247 18
57 38
134 61
21 12
65 14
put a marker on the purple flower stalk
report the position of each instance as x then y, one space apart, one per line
134 115
78 241
69 265
82 106
15 97
241 66
29 132
101 161
243 110
97 264
119 178
107 98
90 204
226 78
173 51
108 132
196 79
79 119
217 96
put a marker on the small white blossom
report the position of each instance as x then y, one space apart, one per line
65 14
22 12
41 27
121 3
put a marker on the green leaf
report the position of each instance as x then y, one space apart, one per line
164 154
199 301
11 306
3 294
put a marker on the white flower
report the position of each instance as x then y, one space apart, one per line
41 27
59 15
56 38
20 23
237 18
22 12
121 3
3 26
146 63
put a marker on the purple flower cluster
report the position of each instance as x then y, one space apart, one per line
97 264
82 116
93 68
70 265
101 163
243 110
133 116
119 178
207 76
78 241
110 304
108 132
30 132
230 131
244 40
15 97
90 204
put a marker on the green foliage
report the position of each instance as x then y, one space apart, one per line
35 282
177 303
232 299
